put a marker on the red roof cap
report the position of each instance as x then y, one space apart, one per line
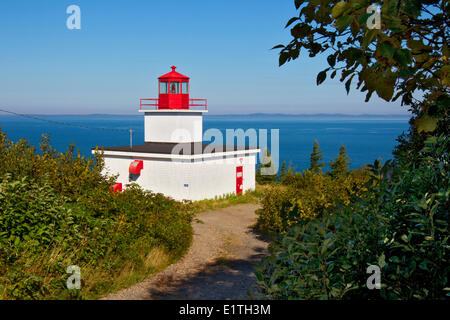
173 75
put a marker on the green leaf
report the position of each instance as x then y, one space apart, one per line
343 22
384 84
368 95
348 83
284 56
321 77
295 53
330 267
291 21
426 124
339 9
424 264
393 23
278 46
386 49
368 38
300 30
333 74
381 261
385 91
331 60
446 51
417 45
445 75
259 276
402 57
354 27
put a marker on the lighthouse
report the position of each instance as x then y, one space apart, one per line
174 160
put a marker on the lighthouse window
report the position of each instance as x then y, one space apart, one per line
174 87
163 87
184 87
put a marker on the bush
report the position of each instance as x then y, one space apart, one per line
30 212
416 206
401 226
69 173
307 196
322 258
273 217
56 210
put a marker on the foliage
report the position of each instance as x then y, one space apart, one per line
56 210
401 222
412 142
30 212
309 194
266 171
274 216
339 167
287 177
401 226
323 258
69 173
283 172
405 56
315 160
416 204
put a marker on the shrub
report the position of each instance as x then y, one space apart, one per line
30 212
52 217
273 217
416 205
69 173
323 258
401 226
300 196
307 196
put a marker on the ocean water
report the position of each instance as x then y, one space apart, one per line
366 138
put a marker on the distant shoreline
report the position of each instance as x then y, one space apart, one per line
257 115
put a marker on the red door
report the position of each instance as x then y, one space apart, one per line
239 180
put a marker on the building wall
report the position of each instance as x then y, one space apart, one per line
173 127
202 179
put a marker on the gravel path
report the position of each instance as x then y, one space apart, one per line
219 264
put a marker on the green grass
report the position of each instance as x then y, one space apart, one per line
229 200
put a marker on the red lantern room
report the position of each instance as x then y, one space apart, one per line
173 93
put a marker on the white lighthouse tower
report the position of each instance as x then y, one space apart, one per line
174 160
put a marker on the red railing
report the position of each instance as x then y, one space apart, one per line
154 104
192 103
198 103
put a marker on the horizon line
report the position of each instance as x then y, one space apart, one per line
226 114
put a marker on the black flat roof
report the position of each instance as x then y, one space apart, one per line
177 148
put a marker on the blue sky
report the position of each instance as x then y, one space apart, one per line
123 46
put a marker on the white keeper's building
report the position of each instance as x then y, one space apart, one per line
174 161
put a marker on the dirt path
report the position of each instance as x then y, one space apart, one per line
219 264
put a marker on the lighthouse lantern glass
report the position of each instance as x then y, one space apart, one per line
184 87
174 87
163 87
